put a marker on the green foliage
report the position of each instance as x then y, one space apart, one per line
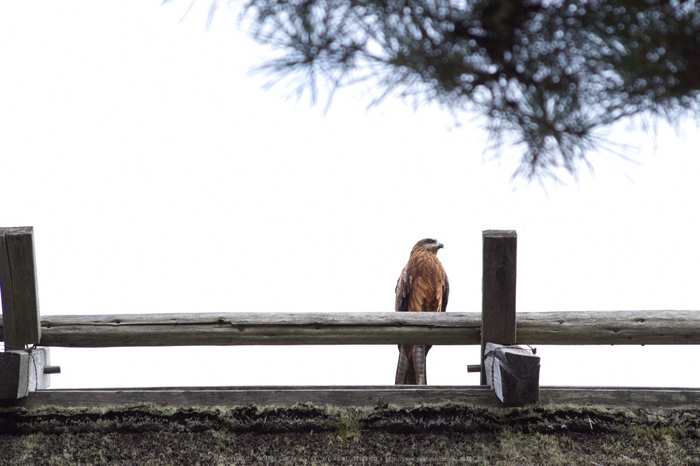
546 75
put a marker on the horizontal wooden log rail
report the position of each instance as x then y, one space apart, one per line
609 328
252 328
366 328
631 397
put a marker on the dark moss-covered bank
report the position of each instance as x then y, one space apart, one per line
305 434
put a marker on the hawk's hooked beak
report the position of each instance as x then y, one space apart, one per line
440 246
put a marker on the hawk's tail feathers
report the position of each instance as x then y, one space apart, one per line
403 365
419 353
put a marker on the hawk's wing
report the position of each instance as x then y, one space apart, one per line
445 294
403 290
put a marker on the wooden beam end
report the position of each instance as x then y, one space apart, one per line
513 373
22 372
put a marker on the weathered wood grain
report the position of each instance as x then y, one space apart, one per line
14 367
267 395
513 373
261 329
6 294
679 398
450 328
498 290
22 372
20 304
629 397
609 328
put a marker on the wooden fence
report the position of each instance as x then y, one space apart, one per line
26 333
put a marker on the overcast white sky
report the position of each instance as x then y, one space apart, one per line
161 177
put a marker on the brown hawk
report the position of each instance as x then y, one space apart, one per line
422 287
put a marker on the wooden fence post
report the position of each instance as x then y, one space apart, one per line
20 304
498 290
22 370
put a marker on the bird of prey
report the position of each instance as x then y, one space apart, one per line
422 287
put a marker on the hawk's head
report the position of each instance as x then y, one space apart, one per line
428 244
